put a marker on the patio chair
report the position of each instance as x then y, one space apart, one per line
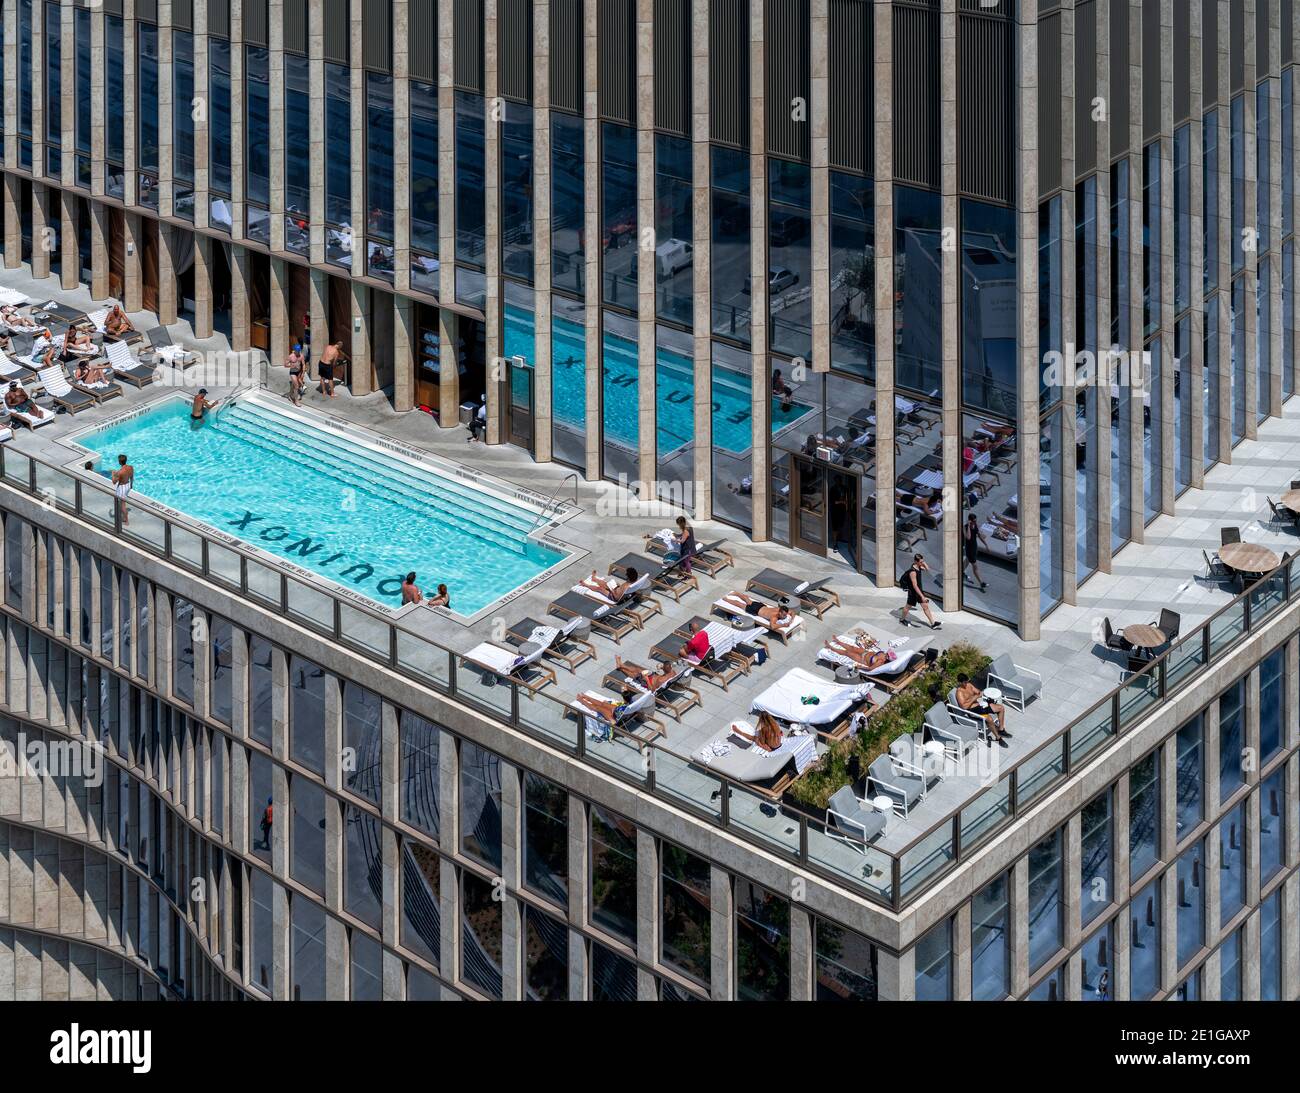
166 349
674 696
55 382
1217 570
604 619
11 370
1280 515
1114 641
911 751
101 392
507 664
1169 623
890 778
1019 685
958 734
567 648
126 367
851 820
1295 483
814 596
710 557
1229 535
668 577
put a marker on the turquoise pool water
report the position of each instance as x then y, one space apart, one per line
674 393
355 515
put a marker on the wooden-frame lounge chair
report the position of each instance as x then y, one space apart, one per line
668 579
566 649
606 620
815 596
711 557
672 696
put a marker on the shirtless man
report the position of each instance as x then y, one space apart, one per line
200 406
994 715
16 398
651 681
297 374
123 479
776 616
117 323
410 590
332 356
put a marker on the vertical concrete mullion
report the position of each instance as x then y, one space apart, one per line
579 864
130 95
820 175
70 252
1196 258
401 156
803 983
1274 348
760 391
1168 433
498 369
279 149
68 109
316 137
1225 240
449 354
10 104
647 912
542 231
722 963
647 455
701 242
1070 335
202 143
166 128
1250 217
42 231
1018 926
591 229
38 99
1026 65
1099 457
949 334
238 144
1137 267
1295 201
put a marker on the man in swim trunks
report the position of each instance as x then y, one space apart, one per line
200 406
410 590
123 478
333 355
17 399
117 324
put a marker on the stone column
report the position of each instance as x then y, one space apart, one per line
1274 302
99 238
13 226
202 131
1026 172
647 454
362 366
130 93
10 104
760 392
280 325
702 243
448 340
1196 257
647 911
167 286
316 141
166 130
820 177
579 866
1290 365
70 253
1250 214
44 232
498 371
883 140
403 354
203 257
279 153
542 231
591 230
722 963
950 317
1136 259
68 108
238 212
38 103
401 152
318 295
240 316
803 982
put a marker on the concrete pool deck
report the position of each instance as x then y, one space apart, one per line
1144 578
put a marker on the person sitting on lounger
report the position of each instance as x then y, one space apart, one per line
696 650
650 681
970 698
607 708
777 616
767 736
117 323
89 374
78 343
610 587
20 402
50 358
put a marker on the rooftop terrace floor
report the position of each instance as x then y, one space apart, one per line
1163 572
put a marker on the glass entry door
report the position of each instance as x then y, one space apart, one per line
826 509
521 407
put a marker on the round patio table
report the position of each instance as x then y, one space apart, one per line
1248 557
1291 500
1144 635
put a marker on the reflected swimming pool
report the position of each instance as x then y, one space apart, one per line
328 502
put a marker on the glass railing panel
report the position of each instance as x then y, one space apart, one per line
56 487
187 547
859 863
1184 661
364 630
484 687
223 565
680 780
1138 695
986 813
761 820
548 716
97 506
423 659
147 528
1038 773
263 583
1227 627
926 859
18 468
626 756
1090 732
1266 596
311 605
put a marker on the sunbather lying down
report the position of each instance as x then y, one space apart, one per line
610 709
651 681
610 587
862 649
777 616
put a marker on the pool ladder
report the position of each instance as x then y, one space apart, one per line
552 504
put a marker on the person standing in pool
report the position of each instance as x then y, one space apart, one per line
123 479
200 406
442 599
411 591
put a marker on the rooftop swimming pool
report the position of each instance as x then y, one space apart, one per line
329 501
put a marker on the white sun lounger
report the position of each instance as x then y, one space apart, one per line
733 604
510 665
784 699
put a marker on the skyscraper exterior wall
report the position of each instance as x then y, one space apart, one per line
692 246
